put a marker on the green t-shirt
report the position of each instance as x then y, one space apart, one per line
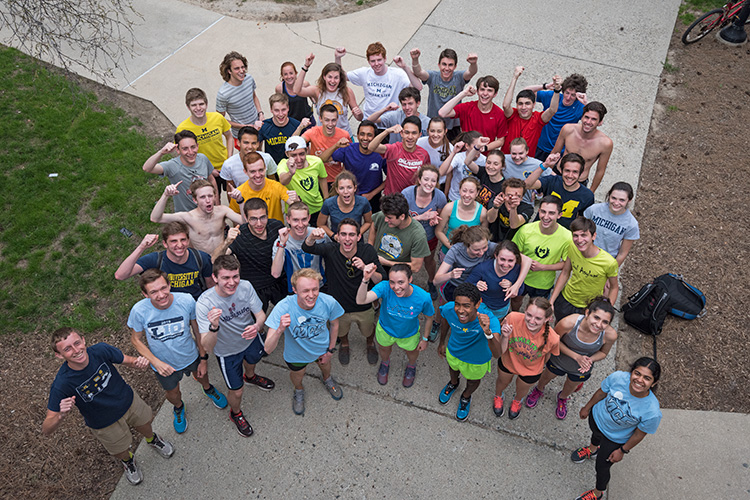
543 248
587 276
399 245
305 182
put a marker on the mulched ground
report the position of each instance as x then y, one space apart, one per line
694 220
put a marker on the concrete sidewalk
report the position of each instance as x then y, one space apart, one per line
387 441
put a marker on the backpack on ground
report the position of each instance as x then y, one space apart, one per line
647 309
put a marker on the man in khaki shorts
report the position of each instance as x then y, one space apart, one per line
89 380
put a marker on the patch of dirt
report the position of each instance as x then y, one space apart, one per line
693 213
284 11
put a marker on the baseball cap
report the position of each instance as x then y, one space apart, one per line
294 143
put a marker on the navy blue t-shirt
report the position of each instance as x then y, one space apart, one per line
368 169
574 202
182 277
494 297
101 394
275 137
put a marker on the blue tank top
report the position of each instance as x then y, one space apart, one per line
455 222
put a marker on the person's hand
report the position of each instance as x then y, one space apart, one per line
392 106
343 142
482 286
441 349
498 201
293 196
469 91
339 52
472 58
172 189
435 220
257 124
359 263
459 146
141 362
67 404
149 240
168 148
415 53
318 233
616 456
551 160
457 272
236 195
213 315
283 235
584 363
512 291
233 233
584 413
513 202
518 71
250 332
396 129
506 330
311 57
325 358
484 142
163 368
484 321
368 271
581 96
285 321
536 266
291 164
304 123
202 368
399 61
422 345
557 82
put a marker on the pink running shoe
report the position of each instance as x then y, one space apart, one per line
562 407
533 398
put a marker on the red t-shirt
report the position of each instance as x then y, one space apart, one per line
492 124
530 130
402 166
523 356
319 143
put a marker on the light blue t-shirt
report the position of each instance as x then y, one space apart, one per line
397 117
307 337
620 413
167 330
467 341
399 316
335 215
565 114
522 171
611 229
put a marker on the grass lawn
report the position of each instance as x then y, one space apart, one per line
60 239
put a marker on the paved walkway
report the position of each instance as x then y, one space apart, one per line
389 441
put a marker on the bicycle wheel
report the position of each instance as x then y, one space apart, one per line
702 26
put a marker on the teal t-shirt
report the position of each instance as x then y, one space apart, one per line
467 341
399 316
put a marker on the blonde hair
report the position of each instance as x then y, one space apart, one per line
305 272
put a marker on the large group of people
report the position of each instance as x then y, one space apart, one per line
326 226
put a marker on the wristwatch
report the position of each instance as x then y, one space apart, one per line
624 450
204 357
425 339
331 350
212 329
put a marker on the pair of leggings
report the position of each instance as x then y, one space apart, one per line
606 447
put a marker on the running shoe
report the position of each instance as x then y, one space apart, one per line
217 398
372 354
164 448
344 354
132 472
409 375
383 373
464 405
498 406
581 454
334 389
533 398
434 332
180 422
243 427
447 392
298 402
589 495
562 407
515 409
261 382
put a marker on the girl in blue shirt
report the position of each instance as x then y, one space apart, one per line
620 415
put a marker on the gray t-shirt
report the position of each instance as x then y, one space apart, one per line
522 171
437 203
460 172
611 229
396 117
442 92
458 256
238 102
237 312
175 171
233 170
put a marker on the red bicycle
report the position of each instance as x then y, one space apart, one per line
710 20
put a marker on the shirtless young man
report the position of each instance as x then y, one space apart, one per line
587 140
206 223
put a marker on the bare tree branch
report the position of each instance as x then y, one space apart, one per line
90 35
